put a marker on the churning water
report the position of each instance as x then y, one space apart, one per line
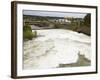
55 46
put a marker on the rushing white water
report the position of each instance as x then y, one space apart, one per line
55 46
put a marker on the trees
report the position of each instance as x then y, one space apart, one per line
87 20
86 27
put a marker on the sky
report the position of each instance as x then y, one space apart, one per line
54 13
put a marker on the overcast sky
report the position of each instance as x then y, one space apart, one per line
53 13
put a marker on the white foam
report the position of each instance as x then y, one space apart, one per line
54 47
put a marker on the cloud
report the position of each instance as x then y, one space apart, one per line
54 13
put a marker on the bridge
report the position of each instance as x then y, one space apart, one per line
38 25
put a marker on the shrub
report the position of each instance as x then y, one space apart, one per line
27 32
27 27
27 35
57 25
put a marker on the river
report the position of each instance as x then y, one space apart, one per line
53 47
